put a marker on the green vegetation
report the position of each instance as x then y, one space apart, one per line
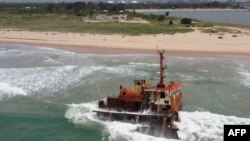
186 21
205 24
161 18
69 23
68 17
83 8
167 13
170 22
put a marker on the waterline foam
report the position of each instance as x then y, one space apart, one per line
6 90
194 126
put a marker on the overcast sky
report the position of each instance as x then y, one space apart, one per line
78 0
49 0
42 0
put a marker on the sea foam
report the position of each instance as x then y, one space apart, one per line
49 60
43 79
245 78
194 126
6 90
47 80
82 114
143 64
243 70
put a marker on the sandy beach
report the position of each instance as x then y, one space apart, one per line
193 42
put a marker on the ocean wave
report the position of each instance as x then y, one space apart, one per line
82 114
243 70
202 70
190 77
134 56
52 50
48 60
192 59
6 90
143 64
200 126
121 70
47 80
43 79
29 51
246 78
13 53
194 126
199 79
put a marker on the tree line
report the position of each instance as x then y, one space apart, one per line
88 8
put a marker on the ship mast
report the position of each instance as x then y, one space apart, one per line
162 67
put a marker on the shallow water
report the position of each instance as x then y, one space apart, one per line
48 94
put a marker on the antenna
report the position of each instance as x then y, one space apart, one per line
162 67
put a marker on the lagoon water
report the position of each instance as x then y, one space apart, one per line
239 17
48 94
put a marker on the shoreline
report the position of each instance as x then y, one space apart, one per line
115 51
187 44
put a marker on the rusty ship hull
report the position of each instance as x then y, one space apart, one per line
153 108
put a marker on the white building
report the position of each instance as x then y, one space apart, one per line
115 18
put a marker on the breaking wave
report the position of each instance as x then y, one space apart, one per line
245 78
194 126
205 126
121 70
49 60
43 79
47 80
243 69
143 64
82 114
29 51
12 53
52 50
202 70
7 90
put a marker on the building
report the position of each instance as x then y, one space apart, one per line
114 18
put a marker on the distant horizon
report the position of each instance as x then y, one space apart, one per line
55 1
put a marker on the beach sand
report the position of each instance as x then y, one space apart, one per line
194 43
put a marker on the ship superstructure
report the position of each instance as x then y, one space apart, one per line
154 108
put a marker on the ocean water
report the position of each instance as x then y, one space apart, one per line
238 16
49 94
